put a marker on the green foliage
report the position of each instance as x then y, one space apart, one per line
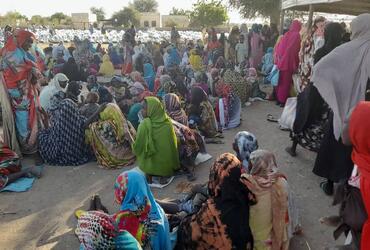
99 12
254 8
39 20
179 12
13 18
60 18
126 17
144 5
208 13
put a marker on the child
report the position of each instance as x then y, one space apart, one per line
91 105
241 49
253 82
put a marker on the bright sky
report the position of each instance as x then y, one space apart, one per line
48 7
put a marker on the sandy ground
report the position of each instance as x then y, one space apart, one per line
44 216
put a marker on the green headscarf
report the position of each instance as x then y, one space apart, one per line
156 145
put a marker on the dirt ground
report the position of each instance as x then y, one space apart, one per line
44 216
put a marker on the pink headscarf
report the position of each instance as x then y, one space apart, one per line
288 49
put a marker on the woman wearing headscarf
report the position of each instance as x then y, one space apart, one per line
19 93
149 76
244 144
269 217
287 60
167 86
201 80
256 47
310 44
223 220
173 57
106 68
157 82
70 69
174 110
342 87
58 83
155 146
359 136
312 112
195 60
127 65
108 133
98 230
63 143
202 113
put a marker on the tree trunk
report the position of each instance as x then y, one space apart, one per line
275 16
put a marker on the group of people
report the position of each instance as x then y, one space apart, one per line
159 104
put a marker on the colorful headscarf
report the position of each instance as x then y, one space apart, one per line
149 75
174 110
106 68
246 143
97 230
133 194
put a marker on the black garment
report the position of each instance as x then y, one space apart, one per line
333 160
70 69
309 108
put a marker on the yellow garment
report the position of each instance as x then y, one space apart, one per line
195 61
106 68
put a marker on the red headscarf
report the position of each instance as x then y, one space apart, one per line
360 136
289 47
20 37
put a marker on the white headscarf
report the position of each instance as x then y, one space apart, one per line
341 76
52 89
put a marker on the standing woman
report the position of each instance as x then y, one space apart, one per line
22 119
156 145
342 86
288 60
256 47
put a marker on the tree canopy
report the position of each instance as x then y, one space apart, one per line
253 8
60 18
208 13
126 17
99 12
179 12
144 5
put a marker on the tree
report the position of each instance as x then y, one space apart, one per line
126 17
144 5
14 18
99 12
253 8
208 13
59 17
39 20
179 12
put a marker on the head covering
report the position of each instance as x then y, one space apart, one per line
160 71
136 89
167 85
343 85
133 194
22 36
174 110
174 58
136 77
333 38
288 48
252 72
198 96
106 68
246 143
49 91
200 77
360 136
97 230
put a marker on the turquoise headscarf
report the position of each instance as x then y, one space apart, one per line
149 75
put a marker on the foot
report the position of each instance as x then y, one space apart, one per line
327 187
35 171
291 152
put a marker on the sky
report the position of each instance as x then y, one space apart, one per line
49 7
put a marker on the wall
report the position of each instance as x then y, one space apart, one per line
150 20
80 20
179 21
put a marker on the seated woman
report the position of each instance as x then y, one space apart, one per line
228 107
63 143
110 135
11 168
174 110
244 144
106 68
223 220
139 215
91 105
201 112
201 80
269 218
155 146
58 83
149 75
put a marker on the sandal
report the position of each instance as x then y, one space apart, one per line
270 118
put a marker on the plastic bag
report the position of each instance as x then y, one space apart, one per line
287 118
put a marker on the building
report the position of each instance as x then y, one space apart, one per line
150 20
80 20
175 20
